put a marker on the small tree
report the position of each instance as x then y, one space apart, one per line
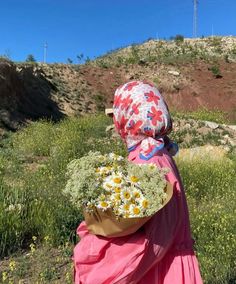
30 58
80 57
179 39
69 61
87 60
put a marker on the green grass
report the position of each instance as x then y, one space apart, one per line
41 264
204 114
32 176
211 199
34 184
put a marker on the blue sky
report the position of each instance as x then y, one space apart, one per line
93 27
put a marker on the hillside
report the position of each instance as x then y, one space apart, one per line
191 74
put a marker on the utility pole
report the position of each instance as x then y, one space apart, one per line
195 4
45 52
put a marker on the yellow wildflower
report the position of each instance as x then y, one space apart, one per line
12 265
32 248
34 238
4 276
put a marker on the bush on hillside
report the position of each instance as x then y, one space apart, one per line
179 38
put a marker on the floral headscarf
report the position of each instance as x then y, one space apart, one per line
141 116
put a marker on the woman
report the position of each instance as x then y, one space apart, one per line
162 251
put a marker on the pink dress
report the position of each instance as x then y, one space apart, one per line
159 253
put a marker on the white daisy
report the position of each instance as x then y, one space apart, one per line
117 180
103 204
137 194
108 183
120 158
133 179
115 157
116 199
104 170
112 156
124 210
126 195
144 203
135 210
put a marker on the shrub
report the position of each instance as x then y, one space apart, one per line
35 139
100 101
30 58
215 71
135 53
179 39
215 42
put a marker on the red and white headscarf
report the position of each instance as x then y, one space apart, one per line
141 116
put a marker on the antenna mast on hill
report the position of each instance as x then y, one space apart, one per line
195 18
45 52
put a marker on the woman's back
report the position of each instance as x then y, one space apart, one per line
161 252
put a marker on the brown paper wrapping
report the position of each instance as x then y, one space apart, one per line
105 223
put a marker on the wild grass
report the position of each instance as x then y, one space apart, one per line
211 199
203 114
41 264
32 175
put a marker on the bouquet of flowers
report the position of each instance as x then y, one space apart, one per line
112 191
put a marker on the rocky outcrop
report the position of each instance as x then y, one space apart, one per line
191 133
11 91
24 95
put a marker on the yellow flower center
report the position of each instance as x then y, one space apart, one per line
104 204
137 195
127 195
134 179
136 211
145 203
117 190
126 206
117 180
117 196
